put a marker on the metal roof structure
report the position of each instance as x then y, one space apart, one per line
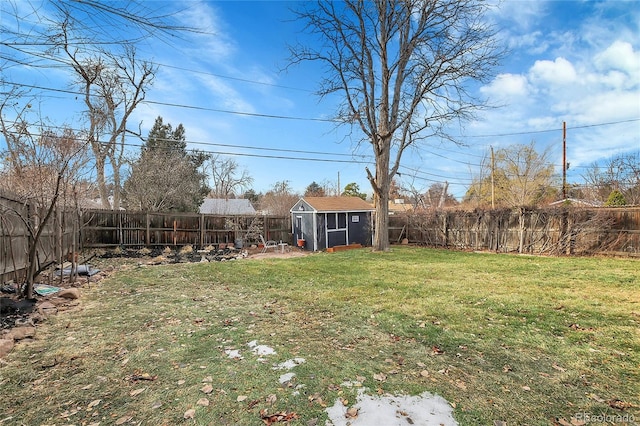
232 206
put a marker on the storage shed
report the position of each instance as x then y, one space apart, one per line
319 223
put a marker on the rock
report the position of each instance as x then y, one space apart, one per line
20 333
70 293
47 308
5 346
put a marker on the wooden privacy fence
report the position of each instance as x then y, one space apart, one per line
541 231
557 231
17 218
105 228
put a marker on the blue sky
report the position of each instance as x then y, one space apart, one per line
572 61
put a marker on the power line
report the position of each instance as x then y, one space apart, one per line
192 142
200 108
244 80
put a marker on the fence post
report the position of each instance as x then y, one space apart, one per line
201 233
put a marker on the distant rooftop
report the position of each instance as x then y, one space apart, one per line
221 206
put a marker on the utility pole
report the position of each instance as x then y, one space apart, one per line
493 167
564 160
339 192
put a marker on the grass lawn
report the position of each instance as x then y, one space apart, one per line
524 340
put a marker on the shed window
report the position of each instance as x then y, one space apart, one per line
331 221
342 220
336 220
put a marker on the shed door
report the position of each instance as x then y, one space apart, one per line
337 233
359 231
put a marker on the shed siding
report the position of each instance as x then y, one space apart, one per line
326 222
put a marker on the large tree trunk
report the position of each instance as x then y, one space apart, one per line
102 182
381 234
381 184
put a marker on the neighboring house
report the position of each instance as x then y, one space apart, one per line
324 222
399 206
221 206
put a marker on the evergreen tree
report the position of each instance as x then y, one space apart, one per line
166 176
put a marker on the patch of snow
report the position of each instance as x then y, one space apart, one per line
260 350
289 364
233 353
425 409
286 378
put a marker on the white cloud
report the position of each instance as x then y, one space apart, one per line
507 86
555 72
214 42
523 14
621 56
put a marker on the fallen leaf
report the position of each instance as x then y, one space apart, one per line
124 419
596 397
137 392
189 414
94 403
557 367
526 388
499 423
461 385
207 389
181 382
271 399
351 413
576 422
203 402
282 416
156 405
563 422
207 379
424 373
136 376
317 399
381 377
619 404
241 398
436 350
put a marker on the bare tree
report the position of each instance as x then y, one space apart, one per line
96 40
621 173
43 169
415 193
402 67
279 200
228 179
522 177
112 86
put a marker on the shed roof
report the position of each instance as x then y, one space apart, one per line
338 204
230 206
